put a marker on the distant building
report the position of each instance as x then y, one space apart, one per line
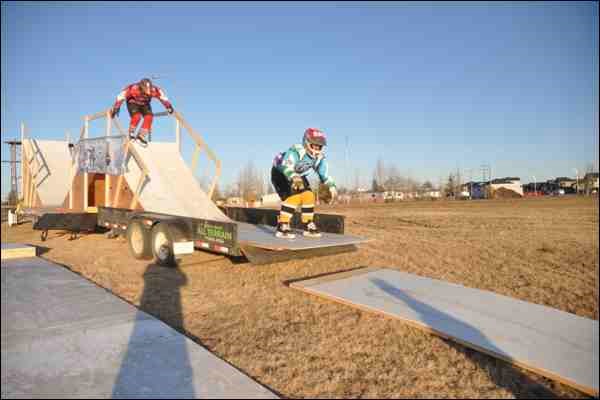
567 184
510 183
432 194
591 182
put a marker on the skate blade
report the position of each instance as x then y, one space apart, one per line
313 235
284 235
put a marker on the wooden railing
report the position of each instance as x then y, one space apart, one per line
36 164
179 122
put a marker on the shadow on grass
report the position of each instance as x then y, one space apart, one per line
164 369
500 372
156 363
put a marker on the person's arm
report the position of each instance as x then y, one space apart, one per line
121 97
162 97
323 172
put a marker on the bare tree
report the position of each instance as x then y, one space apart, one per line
250 183
589 169
450 188
379 174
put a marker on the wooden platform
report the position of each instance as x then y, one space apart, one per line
550 342
263 236
17 250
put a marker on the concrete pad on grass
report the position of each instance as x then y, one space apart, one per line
63 336
16 250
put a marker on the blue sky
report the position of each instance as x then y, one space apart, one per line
428 87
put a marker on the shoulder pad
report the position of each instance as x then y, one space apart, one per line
298 148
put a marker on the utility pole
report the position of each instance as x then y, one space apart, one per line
486 171
347 171
14 186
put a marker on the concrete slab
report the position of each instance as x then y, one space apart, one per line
16 250
64 337
553 343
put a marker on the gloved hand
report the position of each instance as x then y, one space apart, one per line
333 193
170 110
297 183
114 112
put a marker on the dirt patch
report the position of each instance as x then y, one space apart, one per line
542 250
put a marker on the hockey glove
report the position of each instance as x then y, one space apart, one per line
333 193
297 184
114 112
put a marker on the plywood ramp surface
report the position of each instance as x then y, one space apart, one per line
553 343
52 184
263 236
170 188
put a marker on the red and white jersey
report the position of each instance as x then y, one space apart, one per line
134 94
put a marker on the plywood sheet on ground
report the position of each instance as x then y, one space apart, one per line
551 342
52 180
17 250
263 236
171 188
62 336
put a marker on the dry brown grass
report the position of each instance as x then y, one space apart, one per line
539 250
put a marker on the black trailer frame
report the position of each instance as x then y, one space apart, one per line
166 237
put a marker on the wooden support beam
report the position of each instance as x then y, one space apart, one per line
108 179
86 126
97 115
178 134
120 178
197 151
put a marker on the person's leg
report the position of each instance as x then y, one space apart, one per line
135 115
284 190
308 213
147 124
308 206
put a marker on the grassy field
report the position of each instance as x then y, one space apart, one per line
541 250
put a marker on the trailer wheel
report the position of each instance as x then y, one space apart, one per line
162 245
138 239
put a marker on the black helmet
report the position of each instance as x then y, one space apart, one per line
146 85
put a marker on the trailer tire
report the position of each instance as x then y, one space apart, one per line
138 239
162 245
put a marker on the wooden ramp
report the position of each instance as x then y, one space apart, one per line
170 188
263 236
16 250
553 343
260 245
48 163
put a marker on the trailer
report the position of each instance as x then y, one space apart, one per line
152 197
166 238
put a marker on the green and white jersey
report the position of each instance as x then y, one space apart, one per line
297 162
